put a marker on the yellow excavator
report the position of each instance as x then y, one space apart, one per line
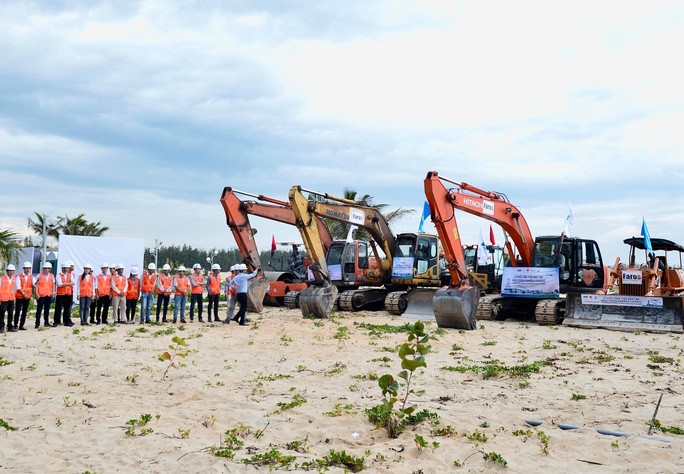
408 260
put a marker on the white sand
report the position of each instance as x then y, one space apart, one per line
69 398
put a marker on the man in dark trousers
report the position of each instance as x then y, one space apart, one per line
241 284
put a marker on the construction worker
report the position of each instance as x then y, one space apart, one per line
241 284
86 293
45 291
230 294
103 286
214 291
164 289
181 285
197 283
132 295
65 296
147 283
119 287
8 290
23 296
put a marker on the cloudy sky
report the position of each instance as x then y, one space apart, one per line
138 113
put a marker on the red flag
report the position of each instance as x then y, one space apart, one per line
273 245
491 235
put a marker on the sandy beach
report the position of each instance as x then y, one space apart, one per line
94 398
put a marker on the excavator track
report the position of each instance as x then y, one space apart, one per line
488 308
292 300
363 298
396 302
549 312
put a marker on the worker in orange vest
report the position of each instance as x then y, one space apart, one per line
8 290
86 293
230 294
119 288
65 296
214 291
164 290
45 291
132 295
23 296
197 283
181 285
103 286
147 284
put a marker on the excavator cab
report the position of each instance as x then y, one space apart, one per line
579 263
417 260
486 276
348 261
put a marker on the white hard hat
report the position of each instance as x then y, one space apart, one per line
151 266
134 271
119 266
87 265
216 266
47 265
181 268
27 265
9 267
232 268
196 266
243 266
71 263
65 264
104 265
166 267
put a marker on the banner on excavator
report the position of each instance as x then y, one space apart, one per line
530 282
623 300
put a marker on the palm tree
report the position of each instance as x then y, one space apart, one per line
80 226
41 220
9 241
340 230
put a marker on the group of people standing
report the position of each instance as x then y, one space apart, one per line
111 288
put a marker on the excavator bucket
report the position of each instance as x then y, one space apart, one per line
318 301
627 313
255 295
456 307
420 303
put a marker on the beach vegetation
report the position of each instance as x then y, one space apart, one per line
177 349
137 427
7 426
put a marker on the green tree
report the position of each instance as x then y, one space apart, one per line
80 226
36 225
9 241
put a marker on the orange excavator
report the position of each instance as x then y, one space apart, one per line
272 287
547 266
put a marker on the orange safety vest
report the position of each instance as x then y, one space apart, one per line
7 288
214 284
148 282
103 284
111 290
45 285
197 289
133 287
165 281
119 281
65 290
26 285
182 286
85 286
229 290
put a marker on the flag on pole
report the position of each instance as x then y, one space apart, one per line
273 245
482 253
426 214
569 221
647 236
491 235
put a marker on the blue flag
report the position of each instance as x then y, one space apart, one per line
426 214
647 236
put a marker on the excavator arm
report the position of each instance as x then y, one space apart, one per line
488 205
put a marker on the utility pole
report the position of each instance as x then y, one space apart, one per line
157 244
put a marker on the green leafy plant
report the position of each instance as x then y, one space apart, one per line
578 396
140 423
337 458
667 429
340 409
412 354
7 426
299 445
297 400
272 458
448 430
544 441
494 370
477 435
495 457
4 361
177 350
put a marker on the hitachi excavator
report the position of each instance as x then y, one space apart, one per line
649 296
408 260
271 287
547 267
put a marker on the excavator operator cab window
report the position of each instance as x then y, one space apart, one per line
426 254
589 273
363 255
